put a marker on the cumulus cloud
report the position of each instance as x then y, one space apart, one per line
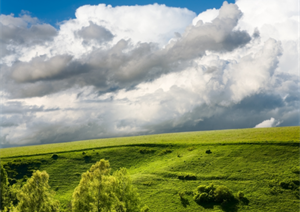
110 73
95 32
267 123
124 65
22 31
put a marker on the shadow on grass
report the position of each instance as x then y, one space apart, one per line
185 202
231 206
87 158
245 201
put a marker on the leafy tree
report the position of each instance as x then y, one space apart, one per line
127 196
99 191
36 196
3 188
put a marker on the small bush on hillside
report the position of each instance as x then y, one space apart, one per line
213 194
208 151
288 184
146 151
222 193
54 156
87 158
186 176
165 151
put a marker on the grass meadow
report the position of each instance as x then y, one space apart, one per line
258 162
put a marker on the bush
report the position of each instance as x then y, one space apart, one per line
186 176
213 194
202 198
165 151
87 158
146 151
287 185
222 193
54 156
208 151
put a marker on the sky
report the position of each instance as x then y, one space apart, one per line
77 70
55 11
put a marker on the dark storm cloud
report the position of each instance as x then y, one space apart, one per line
95 32
247 114
125 65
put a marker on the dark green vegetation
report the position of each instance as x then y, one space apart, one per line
260 167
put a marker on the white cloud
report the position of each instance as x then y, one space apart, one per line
268 123
206 16
111 73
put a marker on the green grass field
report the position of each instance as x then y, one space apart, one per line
255 161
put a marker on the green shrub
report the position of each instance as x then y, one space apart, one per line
87 158
222 193
186 176
201 188
165 151
202 198
54 156
213 194
208 151
146 151
288 184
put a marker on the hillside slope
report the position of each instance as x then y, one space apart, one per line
256 161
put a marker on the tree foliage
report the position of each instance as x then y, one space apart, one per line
36 196
100 191
3 187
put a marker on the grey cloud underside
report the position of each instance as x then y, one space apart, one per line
19 108
95 32
35 34
125 65
24 31
247 114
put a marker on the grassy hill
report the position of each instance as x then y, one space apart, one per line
259 162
